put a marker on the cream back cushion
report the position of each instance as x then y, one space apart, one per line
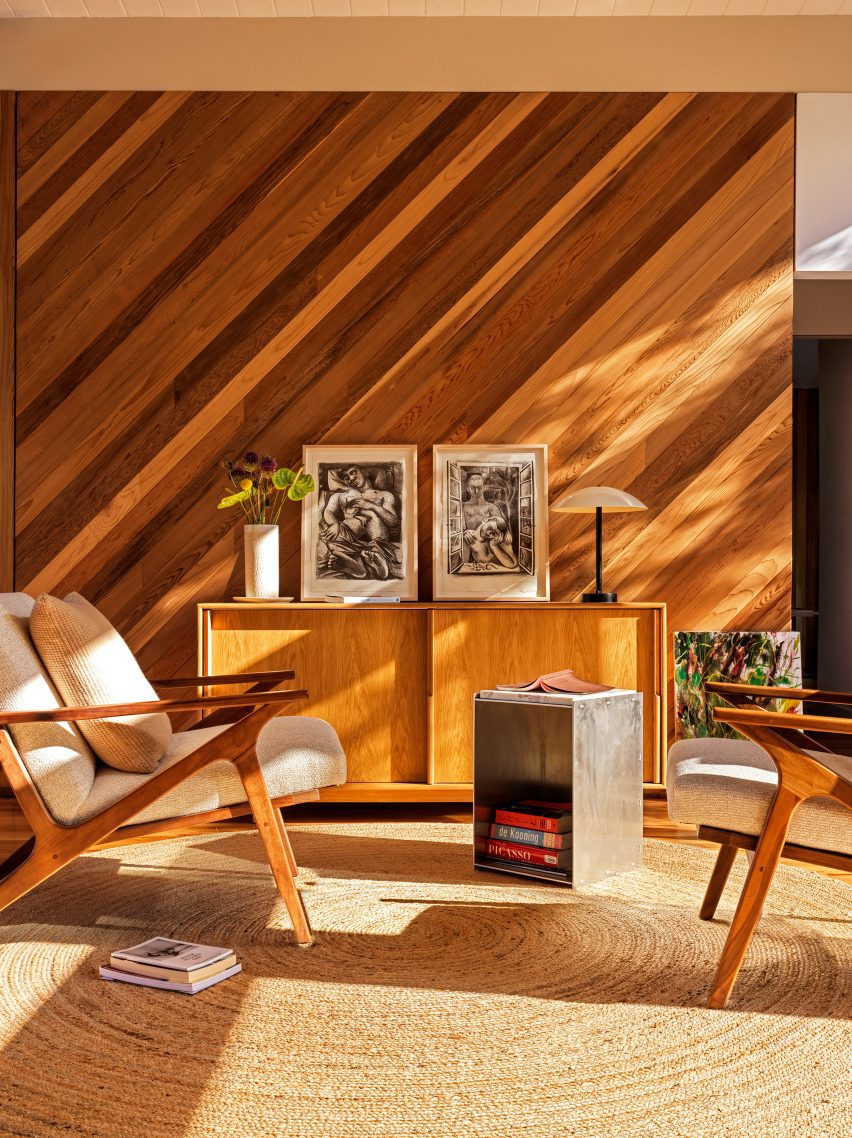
91 664
56 755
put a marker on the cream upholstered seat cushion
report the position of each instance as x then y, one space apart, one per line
90 663
296 753
730 784
56 756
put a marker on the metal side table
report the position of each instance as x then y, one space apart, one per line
581 749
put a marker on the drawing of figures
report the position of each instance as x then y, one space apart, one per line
357 533
491 522
359 530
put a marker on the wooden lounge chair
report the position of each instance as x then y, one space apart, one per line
236 768
781 793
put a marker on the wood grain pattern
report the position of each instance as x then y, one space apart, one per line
397 684
473 650
365 670
609 274
7 340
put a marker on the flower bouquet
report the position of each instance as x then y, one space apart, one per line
261 487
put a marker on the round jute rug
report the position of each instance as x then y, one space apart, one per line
438 1001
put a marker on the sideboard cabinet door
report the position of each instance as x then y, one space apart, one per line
477 649
365 672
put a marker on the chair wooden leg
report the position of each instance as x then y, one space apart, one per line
26 868
718 878
21 855
754 892
270 827
285 839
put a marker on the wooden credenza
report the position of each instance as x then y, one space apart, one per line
397 681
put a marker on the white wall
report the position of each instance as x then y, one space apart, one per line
824 182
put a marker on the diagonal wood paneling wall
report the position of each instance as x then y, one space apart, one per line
610 274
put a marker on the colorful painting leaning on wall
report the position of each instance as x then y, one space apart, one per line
771 659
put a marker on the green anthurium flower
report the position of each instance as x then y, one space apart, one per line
234 499
297 484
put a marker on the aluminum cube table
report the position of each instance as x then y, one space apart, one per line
582 749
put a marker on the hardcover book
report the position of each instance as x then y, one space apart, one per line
107 973
347 600
526 855
525 837
554 818
164 952
176 975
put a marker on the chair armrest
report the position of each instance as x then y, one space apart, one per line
803 695
113 711
221 681
757 717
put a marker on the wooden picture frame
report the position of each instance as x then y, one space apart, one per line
359 530
490 539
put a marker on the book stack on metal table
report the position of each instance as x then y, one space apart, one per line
528 832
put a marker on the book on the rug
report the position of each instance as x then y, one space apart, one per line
555 818
107 973
564 681
176 975
163 952
527 855
524 837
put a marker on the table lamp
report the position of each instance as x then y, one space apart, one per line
597 500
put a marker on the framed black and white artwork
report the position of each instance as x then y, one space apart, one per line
359 530
490 522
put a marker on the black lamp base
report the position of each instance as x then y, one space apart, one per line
599 598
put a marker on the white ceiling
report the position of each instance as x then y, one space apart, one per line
66 8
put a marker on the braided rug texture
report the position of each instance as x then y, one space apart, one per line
436 1002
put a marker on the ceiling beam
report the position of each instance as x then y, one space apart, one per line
552 54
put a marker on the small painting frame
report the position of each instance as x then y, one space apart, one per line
504 556
359 530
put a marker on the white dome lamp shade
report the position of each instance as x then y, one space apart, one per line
598 500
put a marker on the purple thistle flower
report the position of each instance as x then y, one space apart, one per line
237 473
268 465
251 458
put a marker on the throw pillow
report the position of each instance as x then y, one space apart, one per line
56 755
90 663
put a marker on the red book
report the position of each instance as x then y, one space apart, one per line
525 855
532 817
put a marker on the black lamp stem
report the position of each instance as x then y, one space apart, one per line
599 596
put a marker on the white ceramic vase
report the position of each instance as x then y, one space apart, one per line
261 551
